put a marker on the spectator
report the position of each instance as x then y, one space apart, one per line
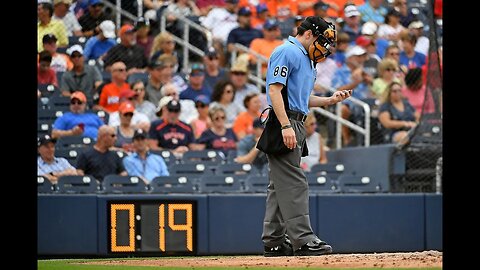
316 148
373 11
213 71
320 9
60 61
138 120
423 43
414 91
48 26
185 8
239 79
97 46
169 132
142 162
352 22
45 74
61 12
343 42
244 33
388 72
262 15
92 18
84 78
144 39
77 121
221 20
406 14
282 10
196 86
247 151
393 52
218 136
409 57
165 44
50 166
188 112
141 105
98 160
110 95
202 122
396 114
371 62
124 130
369 29
223 95
127 52
266 44
243 124
392 27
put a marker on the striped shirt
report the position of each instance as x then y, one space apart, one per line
58 165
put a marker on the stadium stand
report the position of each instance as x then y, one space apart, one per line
124 184
74 184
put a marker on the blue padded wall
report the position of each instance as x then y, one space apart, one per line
434 221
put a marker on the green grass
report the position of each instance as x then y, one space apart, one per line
70 265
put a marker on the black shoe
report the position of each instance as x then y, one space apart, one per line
285 249
314 248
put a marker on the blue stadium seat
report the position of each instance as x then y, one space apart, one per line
101 113
198 169
69 154
357 184
167 156
124 184
48 90
333 170
73 142
44 185
235 169
77 184
48 115
204 155
59 103
173 184
321 184
231 155
256 184
44 127
221 184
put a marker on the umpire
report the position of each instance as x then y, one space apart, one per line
290 79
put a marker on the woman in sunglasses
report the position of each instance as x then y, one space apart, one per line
218 136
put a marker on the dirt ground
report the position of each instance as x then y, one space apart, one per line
377 260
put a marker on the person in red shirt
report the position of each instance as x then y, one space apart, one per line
45 74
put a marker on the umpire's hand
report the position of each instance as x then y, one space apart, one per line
340 96
289 138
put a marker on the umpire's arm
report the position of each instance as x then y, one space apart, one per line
314 101
288 134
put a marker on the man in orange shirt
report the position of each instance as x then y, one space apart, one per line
266 45
110 95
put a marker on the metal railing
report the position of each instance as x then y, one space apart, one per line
257 76
185 40
119 11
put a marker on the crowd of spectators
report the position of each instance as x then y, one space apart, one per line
136 75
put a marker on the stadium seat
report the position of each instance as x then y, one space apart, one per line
167 156
59 78
77 184
73 142
48 90
333 170
69 154
198 169
256 184
124 184
321 184
44 127
220 184
357 183
231 155
48 115
101 113
59 103
173 184
235 169
204 155
44 185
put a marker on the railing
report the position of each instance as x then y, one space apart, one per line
185 40
257 77
119 11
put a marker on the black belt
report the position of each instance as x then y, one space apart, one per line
296 115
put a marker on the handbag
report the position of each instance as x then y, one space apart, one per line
271 140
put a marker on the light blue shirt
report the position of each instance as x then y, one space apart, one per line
149 168
290 65
58 165
368 13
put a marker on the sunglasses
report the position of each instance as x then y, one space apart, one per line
219 117
128 114
239 73
73 102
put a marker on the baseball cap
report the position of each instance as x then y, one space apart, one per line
75 48
141 22
261 7
244 11
369 28
364 41
95 2
127 28
127 93
299 18
108 28
162 102
257 123
197 68
126 107
211 51
240 64
139 134
350 11
202 99
43 140
355 51
270 24
49 38
416 25
68 2
394 12
321 5
79 95
173 105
